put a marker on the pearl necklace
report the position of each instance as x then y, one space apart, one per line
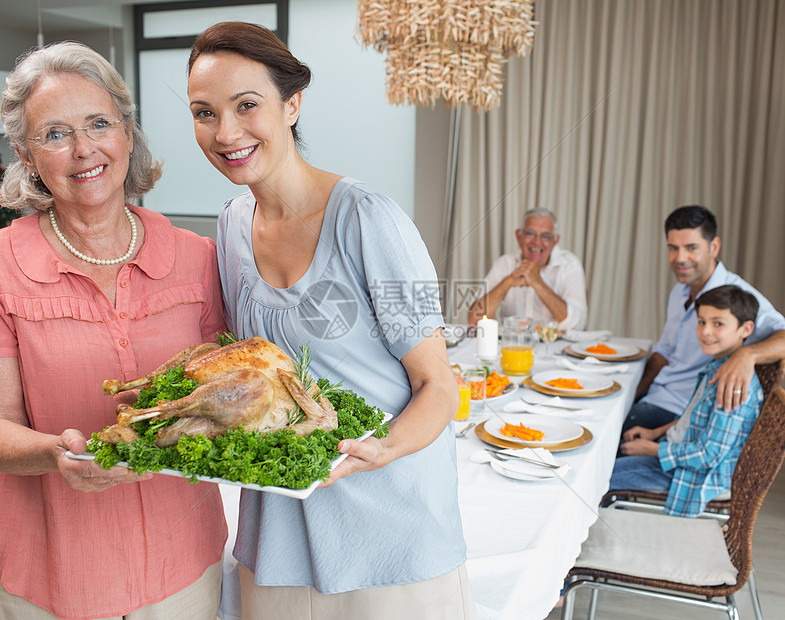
90 259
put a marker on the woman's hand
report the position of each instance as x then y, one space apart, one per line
432 406
87 476
363 455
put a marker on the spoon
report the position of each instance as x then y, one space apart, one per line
461 433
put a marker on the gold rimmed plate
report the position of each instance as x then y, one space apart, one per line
555 429
605 358
529 383
485 436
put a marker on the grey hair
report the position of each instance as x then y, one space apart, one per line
540 212
19 190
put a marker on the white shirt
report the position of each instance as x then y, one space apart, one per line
675 433
563 274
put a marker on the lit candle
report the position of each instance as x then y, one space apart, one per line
487 338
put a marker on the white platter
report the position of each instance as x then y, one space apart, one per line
557 430
591 382
622 350
295 493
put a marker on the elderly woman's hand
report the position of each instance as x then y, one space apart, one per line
87 476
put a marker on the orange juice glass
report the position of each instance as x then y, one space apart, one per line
465 402
517 359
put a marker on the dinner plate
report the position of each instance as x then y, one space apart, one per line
550 392
519 470
557 430
485 436
590 382
622 350
295 493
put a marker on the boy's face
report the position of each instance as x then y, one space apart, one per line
719 332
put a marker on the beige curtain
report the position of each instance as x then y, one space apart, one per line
625 110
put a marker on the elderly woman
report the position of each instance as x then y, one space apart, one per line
92 288
310 257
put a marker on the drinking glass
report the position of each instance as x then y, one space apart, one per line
465 402
517 354
476 379
548 333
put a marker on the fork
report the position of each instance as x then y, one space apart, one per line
534 403
499 456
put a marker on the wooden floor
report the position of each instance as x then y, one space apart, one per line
768 558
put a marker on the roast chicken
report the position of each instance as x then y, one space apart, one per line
251 383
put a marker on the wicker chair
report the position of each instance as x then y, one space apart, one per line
758 465
769 375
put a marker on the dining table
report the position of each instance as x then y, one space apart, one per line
522 536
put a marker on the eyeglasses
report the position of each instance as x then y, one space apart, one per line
61 137
545 237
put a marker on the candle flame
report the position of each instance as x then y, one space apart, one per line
484 318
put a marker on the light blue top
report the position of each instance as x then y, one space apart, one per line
369 296
674 384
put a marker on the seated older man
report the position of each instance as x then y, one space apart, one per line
542 281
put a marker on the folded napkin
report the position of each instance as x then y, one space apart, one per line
592 364
519 469
574 335
550 406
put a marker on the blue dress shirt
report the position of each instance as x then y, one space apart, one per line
674 384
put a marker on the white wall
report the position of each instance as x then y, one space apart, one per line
346 123
5 147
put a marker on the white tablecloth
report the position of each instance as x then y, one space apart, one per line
522 537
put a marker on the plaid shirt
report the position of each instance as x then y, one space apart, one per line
705 459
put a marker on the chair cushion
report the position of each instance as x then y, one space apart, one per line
656 546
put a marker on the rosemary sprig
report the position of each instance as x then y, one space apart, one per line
301 363
227 338
296 416
328 391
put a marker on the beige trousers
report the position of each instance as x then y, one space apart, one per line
443 598
199 601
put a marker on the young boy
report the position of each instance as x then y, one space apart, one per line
694 461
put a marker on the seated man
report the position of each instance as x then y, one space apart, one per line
542 281
671 370
695 461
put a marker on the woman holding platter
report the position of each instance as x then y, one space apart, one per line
90 288
308 257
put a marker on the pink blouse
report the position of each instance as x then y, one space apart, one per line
87 555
